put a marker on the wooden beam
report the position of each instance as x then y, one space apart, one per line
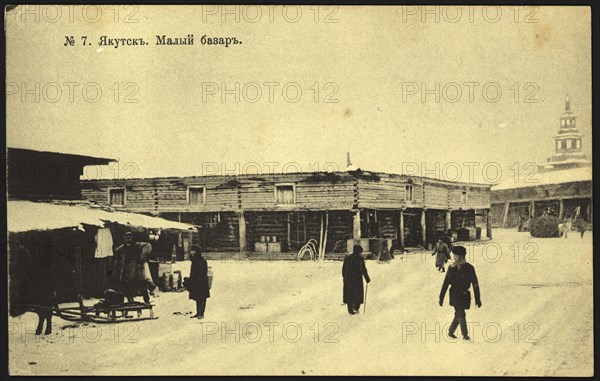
401 236
424 228
356 226
561 210
505 217
242 232
289 230
488 222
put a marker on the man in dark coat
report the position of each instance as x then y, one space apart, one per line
460 276
128 267
442 253
353 270
197 283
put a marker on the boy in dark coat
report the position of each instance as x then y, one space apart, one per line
353 270
197 283
460 276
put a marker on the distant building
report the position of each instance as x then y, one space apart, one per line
567 144
562 186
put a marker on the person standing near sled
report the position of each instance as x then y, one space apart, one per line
129 268
197 284
353 270
442 253
460 276
43 294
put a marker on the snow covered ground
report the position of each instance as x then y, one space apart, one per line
288 318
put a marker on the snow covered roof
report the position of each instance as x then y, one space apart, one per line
27 216
548 178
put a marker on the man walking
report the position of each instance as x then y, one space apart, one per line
353 270
197 283
460 276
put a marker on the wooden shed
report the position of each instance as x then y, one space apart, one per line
274 215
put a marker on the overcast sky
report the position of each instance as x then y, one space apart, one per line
371 68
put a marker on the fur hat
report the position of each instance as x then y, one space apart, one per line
461 251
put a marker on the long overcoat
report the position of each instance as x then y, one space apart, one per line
442 253
129 264
197 284
460 280
353 270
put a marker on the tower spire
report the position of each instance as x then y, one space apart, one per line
567 104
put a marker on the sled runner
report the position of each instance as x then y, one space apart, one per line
107 313
101 312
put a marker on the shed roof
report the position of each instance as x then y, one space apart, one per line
561 176
28 216
84 159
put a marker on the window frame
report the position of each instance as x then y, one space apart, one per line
124 189
276 185
406 198
187 195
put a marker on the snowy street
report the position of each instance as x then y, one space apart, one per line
287 317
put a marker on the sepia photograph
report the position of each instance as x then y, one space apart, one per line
317 190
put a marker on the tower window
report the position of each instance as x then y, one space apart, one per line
563 144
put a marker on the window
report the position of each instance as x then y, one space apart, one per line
285 194
116 196
546 193
563 144
196 195
408 193
463 197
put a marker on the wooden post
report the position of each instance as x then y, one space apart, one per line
401 236
242 231
356 227
289 231
505 217
325 236
561 210
488 222
321 236
448 219
424 228
532 209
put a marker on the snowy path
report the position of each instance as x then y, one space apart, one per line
536 319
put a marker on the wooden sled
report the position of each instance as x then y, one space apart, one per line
107 313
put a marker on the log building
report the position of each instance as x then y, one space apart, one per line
276 214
